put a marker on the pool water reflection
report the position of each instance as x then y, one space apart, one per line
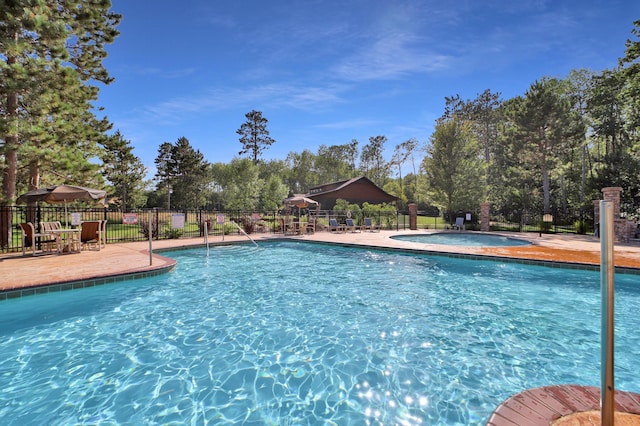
308 334
467 239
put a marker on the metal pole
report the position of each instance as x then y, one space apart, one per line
607 313
150 238
206 236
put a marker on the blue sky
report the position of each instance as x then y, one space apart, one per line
327 72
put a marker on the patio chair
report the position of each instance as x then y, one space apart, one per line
90 234
47 227
288 227
350 226
29 236
370 226
50 226
311 226
459 223
334 226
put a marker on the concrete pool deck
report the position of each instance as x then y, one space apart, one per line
24 275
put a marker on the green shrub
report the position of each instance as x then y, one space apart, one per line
471 226
173 233
581 227
545 226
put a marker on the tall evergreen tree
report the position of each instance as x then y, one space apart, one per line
183 173
165 171
254 135
580 83
631 68
124 171
483 114
542 124
52 55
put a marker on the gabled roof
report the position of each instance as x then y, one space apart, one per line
328 188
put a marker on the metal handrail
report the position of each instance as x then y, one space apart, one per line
242 230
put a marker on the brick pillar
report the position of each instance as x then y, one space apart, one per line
612 194
413 216
485 209
623 228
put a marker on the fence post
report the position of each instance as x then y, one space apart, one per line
150 238
157 227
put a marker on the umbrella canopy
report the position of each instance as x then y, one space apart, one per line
61 194
300 201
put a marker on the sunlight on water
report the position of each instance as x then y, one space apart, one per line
308 334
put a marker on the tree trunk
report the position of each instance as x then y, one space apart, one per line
583 174
545 189
5 226
8 189
11 142
34 174
34 183
11 163
563 196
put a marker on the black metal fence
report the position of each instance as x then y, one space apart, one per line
133 225
557 221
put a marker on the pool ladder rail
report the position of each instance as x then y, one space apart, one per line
242 230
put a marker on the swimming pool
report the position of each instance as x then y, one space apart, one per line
462 239
308 334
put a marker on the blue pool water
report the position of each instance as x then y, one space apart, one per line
462 239
295 333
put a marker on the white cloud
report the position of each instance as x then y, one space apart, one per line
392 57
276 95
156 72
348 124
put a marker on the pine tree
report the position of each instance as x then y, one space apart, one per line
254 135
124 171
184 173
52 54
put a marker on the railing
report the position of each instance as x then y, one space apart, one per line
133 225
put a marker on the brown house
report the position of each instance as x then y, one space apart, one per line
356 191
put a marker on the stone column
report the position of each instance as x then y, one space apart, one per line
413 216
612 194
485 209
623 228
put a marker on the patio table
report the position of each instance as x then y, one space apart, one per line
68 239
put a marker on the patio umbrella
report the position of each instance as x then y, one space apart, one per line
300 201
61 194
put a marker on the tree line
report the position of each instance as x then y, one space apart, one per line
554 147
